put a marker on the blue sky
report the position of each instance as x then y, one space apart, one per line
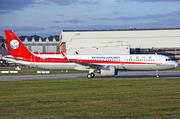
49 17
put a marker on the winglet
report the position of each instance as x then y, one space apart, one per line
64 55
77 53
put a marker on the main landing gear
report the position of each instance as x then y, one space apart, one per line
157 74
90 75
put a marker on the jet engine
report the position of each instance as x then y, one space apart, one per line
108 71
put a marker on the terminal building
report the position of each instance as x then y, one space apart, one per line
164 41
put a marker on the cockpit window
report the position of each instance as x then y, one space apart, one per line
168 59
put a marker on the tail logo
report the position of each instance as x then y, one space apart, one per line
14 44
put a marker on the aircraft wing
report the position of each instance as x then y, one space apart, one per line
87 65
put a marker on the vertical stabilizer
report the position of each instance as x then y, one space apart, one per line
16 47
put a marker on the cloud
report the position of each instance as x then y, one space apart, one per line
171 19
92 27
21 28
74 21
130 18
156 0
54 27
61 15
88 2
7 6
63 2
150 16
150 0
69 2
56 22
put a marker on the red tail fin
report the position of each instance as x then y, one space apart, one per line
16 47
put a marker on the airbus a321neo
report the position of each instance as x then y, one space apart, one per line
106 65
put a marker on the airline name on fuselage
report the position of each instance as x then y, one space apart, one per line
135 57
105 57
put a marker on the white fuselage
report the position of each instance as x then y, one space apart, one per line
121 62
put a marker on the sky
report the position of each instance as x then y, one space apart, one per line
50 17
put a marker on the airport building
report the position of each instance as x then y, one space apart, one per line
40 45
164 41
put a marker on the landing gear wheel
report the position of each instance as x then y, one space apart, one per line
89 76
92 75
157 76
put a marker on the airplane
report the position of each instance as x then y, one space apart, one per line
106 65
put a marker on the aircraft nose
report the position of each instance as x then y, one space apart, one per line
176 65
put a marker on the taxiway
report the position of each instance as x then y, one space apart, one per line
142 74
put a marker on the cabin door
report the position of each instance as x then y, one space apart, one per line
157 60
122 60
32 60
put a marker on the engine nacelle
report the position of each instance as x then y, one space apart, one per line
109 71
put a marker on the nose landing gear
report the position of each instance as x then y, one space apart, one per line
157 74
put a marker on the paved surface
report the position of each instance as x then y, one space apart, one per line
143 74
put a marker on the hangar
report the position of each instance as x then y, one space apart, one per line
40 45
122 41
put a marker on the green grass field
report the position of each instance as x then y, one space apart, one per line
91 98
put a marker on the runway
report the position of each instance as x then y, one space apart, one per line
142 74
